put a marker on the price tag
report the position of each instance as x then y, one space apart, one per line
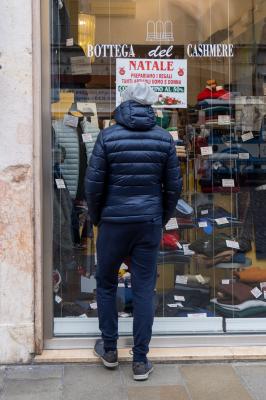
182 279
224 119
203 224
228 183
172 224
206 151
179 298
199 315
174 135
263 285
187 251
93 306
71 120
247 136
159 114
243 156
124 267
70 42
232 244
175 305
87 137
60 184
221 221
58 299
121 284
200 279
256 292
226 281
204 212
179 245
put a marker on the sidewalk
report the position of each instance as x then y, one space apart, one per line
201 381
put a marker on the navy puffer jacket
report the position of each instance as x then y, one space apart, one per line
133 175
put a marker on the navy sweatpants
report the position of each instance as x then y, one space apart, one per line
115 242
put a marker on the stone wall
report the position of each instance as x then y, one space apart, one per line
16 183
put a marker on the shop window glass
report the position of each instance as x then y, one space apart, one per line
212 258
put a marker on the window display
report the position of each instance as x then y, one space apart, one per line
212 256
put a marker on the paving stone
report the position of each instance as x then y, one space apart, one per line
93 382
45 389
173 392
162 375
34 372
209 382
253 377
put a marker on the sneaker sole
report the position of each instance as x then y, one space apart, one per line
143 377
106 363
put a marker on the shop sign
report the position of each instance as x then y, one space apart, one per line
168 78
210 50
125 51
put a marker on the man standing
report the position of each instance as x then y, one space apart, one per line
132 187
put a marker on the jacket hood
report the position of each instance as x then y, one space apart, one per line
135 116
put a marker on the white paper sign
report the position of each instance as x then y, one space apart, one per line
199 315
179 298
71 120
256 292
223 119
228 183
187 251
167 77
221 221
206 151
60 184
203 224
87 137
243 156
58 299
247 136
204 212
181 279
172 224
232 244
93 306
175 305
226 281
70 42
200 279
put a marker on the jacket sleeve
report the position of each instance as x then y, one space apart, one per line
95 180
172 184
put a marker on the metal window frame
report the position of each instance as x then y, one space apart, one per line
49 341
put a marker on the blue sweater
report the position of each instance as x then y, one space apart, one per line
134 174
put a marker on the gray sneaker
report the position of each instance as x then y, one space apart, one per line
109 358
142 370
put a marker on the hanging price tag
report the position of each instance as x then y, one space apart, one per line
58 299
60 184
179 298
204 212
181 279
71 120
203 224
179 245
247 136
256 292
206 151
232 244
70 42
200 279
87 137
172 224
243 156
228 183
221 221
224 119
